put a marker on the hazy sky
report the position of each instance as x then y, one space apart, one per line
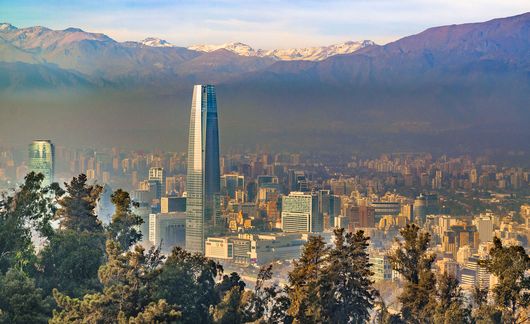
261 24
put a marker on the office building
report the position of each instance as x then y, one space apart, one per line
231 184
167 229
300 213
203 214
42 159
484 225
172 204
158 180
246 249
381 266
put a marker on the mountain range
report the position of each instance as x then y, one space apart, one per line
459 87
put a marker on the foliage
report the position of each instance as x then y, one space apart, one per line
349 294
70 262
412 261
20 300
29 208
124 226
450 306
510 264
306 289
482 312
77 206
128 280
189 280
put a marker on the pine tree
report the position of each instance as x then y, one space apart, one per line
70 262
306 288
73 253
349 295
412 261
77 206
512 293
124 226
450 304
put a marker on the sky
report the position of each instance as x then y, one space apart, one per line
265 24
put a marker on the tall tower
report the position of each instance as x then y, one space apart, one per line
203 214
42 159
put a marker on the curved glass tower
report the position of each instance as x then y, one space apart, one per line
42 159
203 214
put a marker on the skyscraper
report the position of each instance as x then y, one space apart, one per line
203 215
42 159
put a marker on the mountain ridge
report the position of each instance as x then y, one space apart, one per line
458 87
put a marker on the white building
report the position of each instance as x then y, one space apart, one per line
167 229
300 213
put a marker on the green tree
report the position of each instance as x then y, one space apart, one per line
155 312
349 295
70 262
305 287
124 226
512 293
128 294
412 261
450 305
230 310
20 300
189 280
31 206
71 258
77 206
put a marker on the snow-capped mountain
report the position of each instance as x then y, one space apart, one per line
238 48
307 54
156 42
6 27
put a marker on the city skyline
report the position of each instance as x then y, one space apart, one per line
381 179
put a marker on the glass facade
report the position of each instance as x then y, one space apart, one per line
42 159
203 214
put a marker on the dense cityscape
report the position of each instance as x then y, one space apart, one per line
250 209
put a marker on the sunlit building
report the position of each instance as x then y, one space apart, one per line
42 159
203 214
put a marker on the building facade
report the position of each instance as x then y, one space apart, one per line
300 213
42 159
203 214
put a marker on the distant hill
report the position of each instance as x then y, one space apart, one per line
459 87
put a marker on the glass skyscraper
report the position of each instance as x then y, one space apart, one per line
42 159
203 214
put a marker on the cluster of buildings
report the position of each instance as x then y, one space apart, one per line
255 208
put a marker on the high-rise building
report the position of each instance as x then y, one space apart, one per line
300 213
42 159
484 224
203 214
231 183
157 179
